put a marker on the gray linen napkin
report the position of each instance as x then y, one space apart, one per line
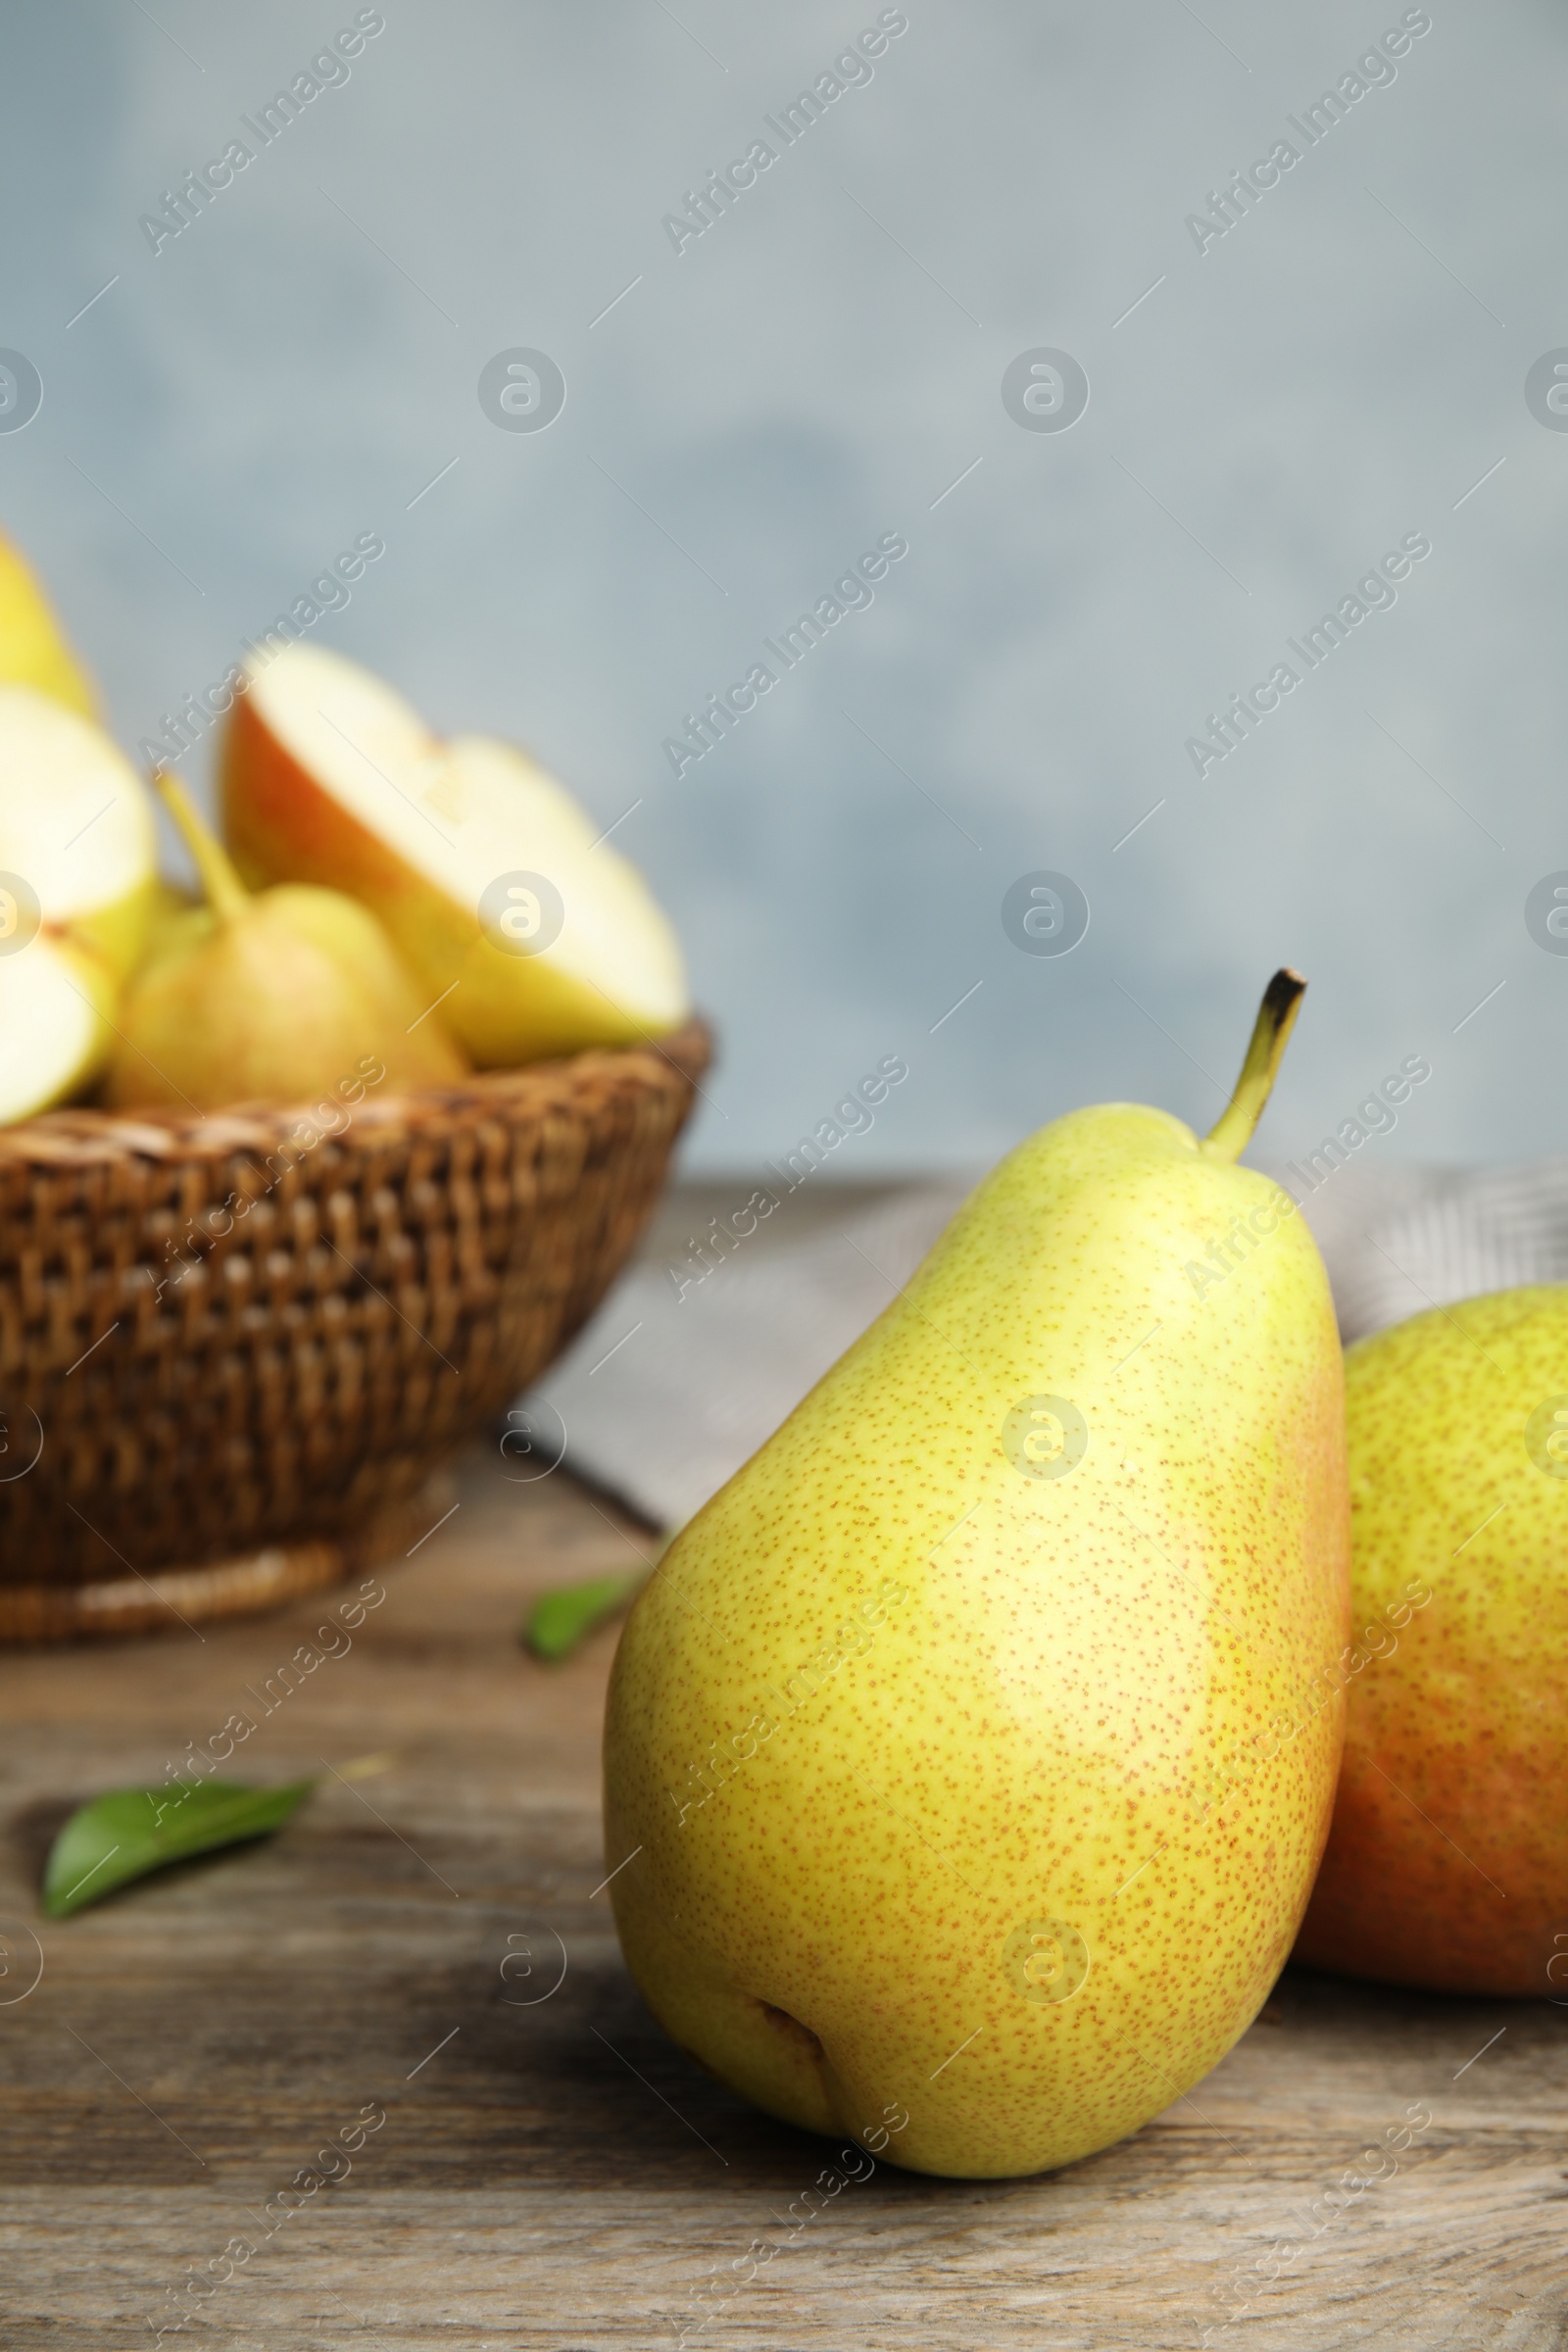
667 1392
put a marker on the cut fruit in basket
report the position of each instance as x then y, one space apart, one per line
534 932
78 851
57 1003
280 996
33 650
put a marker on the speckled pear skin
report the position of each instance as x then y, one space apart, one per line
1469 1714
1033 1694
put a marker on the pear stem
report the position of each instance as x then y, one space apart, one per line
1232 1132
226 893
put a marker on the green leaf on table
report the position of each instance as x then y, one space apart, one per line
560 1621
129 1832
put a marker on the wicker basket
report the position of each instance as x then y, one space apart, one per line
233 1349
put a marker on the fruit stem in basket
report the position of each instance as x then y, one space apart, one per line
226 893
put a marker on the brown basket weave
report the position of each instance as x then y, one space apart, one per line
231 1357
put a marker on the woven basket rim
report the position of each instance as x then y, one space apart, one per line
85 1135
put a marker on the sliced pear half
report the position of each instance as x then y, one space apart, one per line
533 932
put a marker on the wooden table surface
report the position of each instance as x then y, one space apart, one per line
550 2172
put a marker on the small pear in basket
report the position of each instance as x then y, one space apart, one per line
171 902
288 993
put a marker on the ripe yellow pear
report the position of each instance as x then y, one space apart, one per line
1447 1863
276 997
964 1781
33 650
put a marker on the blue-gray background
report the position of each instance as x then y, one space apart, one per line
816 370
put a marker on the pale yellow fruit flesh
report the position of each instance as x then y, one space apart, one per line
1082 1707
77 826
54 1033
